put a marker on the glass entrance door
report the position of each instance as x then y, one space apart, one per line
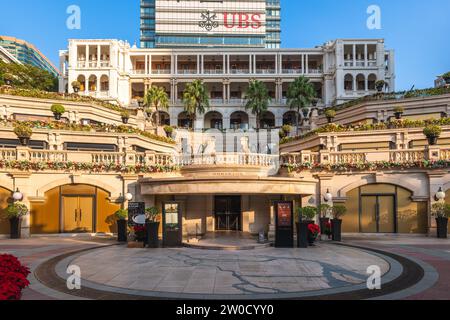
228 213
78 214
377 214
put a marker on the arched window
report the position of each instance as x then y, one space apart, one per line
371 81
348 82
92 83
104 83
360 82
213 120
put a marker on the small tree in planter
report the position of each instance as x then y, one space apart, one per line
324 212
8 78
441 211
398 112
24 133
58 110
304 217
168 130
14 213
152 227
125 116
76 86
432 132
336 224
330 114
380 84
122 216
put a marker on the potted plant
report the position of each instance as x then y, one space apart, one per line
324 211
313 233
398 112
336 224
446 77
58 110
152 226
125 116
432 132
304 218
140 102
441 211
24 133
14 213
76 85
330 114
122 216
140 233
380 85
168 130
8 78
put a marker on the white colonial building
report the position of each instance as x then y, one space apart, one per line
340 71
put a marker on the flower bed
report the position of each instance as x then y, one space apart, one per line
33 93
78 166
395 124
55 125
394 96
13 277
367 166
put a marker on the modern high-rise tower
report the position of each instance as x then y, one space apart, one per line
210 23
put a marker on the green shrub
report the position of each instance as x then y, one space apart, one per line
125 114
441 210
121 214
324 210
16 210
76 85
330 114
168 129
23 131
432 131
8 77
58 108
339 211
152 214
399 109
446 75
286 129
306 213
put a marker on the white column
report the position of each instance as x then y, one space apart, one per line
150 67
354 55
307 63
146 64
224 68
250 64
366 58
303 64
87 56
98 56
198 64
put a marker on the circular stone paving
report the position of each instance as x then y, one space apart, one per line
256 274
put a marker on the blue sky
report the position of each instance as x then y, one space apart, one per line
418 30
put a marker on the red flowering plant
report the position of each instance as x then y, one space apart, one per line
314 231
139 232
328 230
13 277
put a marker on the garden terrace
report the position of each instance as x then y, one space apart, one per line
418 105
38 94
357 133
100 133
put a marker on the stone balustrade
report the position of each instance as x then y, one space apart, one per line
432 153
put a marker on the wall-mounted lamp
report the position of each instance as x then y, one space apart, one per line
17 196
328 196
440 195
128 197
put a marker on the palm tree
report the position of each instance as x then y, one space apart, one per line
157 98
301 94
257 100
195 100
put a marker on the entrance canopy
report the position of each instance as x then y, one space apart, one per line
226 185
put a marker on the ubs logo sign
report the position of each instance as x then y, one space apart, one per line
209 21
230 21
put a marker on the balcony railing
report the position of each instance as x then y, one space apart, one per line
161 71
239 159
347 157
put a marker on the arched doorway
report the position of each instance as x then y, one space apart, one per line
5 198
384 208
92 86
239 120
371 82
213 120
104 83
74 208
348 82
290 118
164 118
267 120
360 82
184 121
82 80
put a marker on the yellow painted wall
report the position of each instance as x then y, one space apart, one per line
5 195
411 216
106 221
45 216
